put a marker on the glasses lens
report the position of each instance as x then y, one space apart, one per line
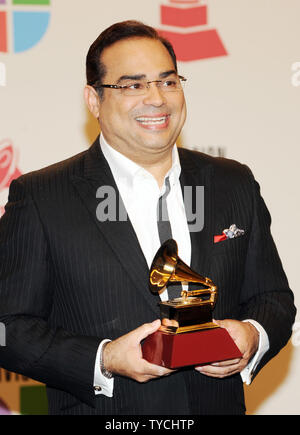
171 85
142 87
135 88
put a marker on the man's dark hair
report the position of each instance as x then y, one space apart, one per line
95 69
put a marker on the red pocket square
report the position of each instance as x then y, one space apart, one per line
219 238
230 233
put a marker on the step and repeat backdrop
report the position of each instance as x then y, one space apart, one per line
242 62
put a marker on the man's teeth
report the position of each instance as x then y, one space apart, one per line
149 121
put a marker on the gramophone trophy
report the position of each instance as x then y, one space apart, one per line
188 335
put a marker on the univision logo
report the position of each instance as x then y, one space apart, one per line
23 23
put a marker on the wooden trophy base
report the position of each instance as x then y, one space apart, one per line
189 349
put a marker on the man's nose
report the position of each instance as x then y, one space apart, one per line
155 96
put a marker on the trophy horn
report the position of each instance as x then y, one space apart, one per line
168 268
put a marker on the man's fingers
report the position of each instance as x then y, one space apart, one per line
148 371
123 356
155 370
226 363
226 323
147 329
219 372
246 337
222 363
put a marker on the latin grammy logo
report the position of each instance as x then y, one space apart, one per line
184 24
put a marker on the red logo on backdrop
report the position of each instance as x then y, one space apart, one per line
190 43
8 167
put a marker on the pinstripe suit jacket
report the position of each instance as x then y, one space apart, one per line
67 281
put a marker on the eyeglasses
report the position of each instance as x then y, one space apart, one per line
140 87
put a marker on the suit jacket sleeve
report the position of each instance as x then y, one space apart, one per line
265 295
53 356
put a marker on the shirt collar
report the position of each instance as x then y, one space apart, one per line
125 170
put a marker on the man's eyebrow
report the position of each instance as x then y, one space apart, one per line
167 73
132 77
143 76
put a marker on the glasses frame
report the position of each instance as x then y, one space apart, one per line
181 78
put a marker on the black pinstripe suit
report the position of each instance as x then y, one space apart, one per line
67 281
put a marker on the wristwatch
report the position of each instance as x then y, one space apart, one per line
104 372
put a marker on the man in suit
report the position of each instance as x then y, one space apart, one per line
74 293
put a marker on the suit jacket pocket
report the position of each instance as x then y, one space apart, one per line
235 246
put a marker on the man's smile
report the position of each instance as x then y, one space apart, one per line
154 122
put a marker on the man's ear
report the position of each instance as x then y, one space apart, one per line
92 100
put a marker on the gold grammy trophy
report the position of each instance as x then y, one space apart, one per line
188 335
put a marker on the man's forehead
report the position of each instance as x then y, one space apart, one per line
137 56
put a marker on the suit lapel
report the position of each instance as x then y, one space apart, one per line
120 235
196 172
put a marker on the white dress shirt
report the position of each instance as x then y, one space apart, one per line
140 193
